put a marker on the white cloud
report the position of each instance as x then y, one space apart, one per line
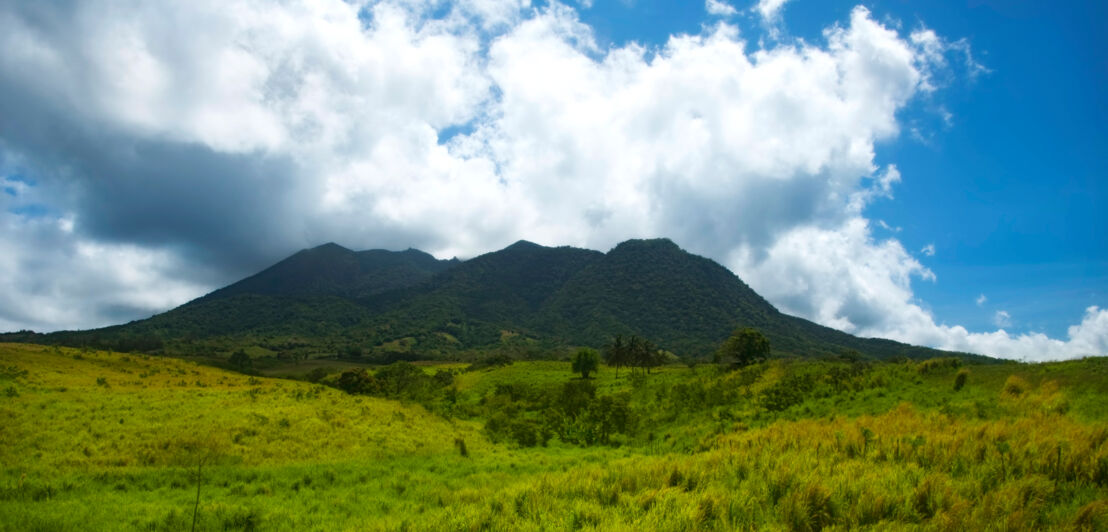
838 276
936 49
928 250
981 299
1088 338
770 10
843 278
1002 319
719 8
882 224
230 129
499 13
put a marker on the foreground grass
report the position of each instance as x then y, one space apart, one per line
108 441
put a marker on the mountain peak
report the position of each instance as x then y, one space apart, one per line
523 244
333 270
329 247
642 244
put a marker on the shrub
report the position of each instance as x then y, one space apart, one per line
12 372
936 364
960 379
443 378
787 392
240 360
358 381
316 375
585 361
1015 386
491 361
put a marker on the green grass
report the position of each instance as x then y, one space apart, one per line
103 441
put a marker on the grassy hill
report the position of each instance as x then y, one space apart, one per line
108 441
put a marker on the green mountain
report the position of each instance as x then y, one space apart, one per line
652 288
332 299
332 270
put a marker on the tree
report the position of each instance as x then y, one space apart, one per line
643 353
616 354
746 346
400 378
585 361
358 381
240 360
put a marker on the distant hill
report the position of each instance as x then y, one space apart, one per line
525 296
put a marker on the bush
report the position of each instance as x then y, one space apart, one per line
789 391
521 431
960 379
316 375
585 361
358 381
443 378
937 364
1015 386
491 361
240 360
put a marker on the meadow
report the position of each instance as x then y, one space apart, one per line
94 440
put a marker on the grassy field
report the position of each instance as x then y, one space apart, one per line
102 441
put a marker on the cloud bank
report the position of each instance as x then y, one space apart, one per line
151 152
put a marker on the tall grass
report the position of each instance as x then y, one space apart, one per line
836 446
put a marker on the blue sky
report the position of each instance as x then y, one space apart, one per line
1011 192
929 172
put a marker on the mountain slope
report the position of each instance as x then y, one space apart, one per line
315 293
653 288
333 270
382 301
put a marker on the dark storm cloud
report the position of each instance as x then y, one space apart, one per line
232 212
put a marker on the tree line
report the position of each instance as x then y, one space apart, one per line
633 353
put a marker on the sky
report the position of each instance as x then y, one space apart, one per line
929 172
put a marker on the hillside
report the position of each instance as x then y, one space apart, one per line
108 441
332 270
410 305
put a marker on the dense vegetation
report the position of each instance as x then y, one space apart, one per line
524 300
98 440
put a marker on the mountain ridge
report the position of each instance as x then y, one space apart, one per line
524 297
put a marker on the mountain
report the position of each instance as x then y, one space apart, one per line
333 270
329 299
686 302
483 299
